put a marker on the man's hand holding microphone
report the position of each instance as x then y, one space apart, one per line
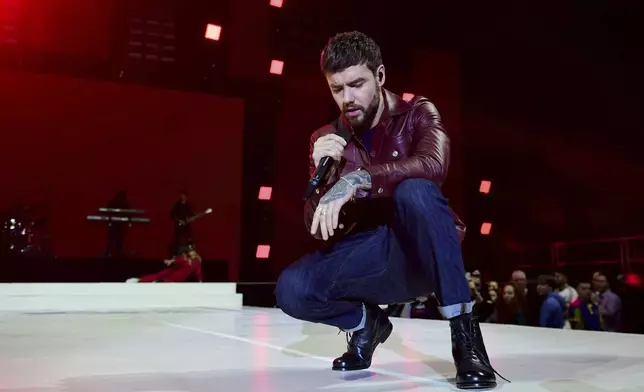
327 213
330 145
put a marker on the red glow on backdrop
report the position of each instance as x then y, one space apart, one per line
124 150
213 32
277 67
633 280
263 251
407 97
265 193
277 3
486 228
485 187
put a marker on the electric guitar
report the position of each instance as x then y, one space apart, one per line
195 217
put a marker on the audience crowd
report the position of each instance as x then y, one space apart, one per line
548 301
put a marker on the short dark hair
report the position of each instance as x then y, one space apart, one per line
347 49
546 280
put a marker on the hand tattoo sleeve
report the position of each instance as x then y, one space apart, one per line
357 180
338 191
360 179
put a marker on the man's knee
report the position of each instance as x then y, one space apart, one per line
293 291
417 192
286 289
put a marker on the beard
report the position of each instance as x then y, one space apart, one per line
365 118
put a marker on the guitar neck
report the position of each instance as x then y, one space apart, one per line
199 215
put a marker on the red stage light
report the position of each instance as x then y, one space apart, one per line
263 251
213 32
485 187
633 280
277 67
486 228
407 97
277 3
265 193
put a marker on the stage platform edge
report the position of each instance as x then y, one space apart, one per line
97 297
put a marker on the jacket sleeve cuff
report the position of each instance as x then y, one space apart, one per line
379 185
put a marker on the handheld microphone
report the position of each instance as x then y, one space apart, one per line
323 167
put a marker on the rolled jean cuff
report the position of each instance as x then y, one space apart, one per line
363 321
451 311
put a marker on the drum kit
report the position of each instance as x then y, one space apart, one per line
23 230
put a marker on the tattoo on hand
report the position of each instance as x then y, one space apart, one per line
340 190
361 179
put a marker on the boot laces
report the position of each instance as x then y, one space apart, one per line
349 337
468 340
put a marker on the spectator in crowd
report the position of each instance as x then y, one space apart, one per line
425 308
584 311
420 308
476 279
520 281
610 305
567 292
486 308
475 291
532 299
510 309
553 307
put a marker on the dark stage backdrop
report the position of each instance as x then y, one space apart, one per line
70 144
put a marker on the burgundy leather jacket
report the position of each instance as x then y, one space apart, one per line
408 142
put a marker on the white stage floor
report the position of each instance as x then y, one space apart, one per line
262 350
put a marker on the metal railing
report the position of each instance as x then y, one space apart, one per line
622 249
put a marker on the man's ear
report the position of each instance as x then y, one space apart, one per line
380 75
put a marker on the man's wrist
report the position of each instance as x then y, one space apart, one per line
360 179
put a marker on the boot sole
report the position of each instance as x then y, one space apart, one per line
478 385
383 338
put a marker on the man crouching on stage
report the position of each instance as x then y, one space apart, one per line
390 233
179 268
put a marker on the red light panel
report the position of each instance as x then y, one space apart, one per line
407 97
277 67
486 228
277 3
213 32
265 193
485 187
263 251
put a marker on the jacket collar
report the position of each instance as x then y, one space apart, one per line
394 105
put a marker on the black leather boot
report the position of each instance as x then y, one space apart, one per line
478 337
364 342
473 369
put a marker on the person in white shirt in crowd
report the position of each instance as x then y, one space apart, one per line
566 291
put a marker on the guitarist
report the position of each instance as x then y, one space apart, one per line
181 213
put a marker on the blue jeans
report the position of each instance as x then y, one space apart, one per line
416 254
